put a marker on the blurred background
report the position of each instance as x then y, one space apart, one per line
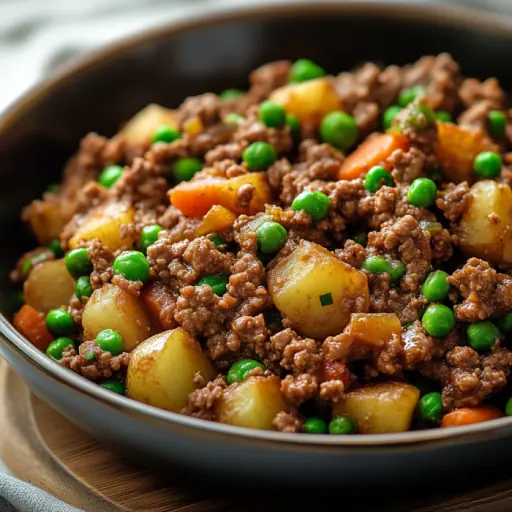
38 36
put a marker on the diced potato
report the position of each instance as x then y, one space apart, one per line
253 403
47 219
485 230
110 307
310 101
139 130
105 223
195 198
49 286
373 329
193 126
162 369
217 219
457 148
380 408
309 276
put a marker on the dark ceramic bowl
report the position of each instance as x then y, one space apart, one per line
210 52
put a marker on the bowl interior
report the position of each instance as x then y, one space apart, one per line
41 131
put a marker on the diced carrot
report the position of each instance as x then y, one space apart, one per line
457 148
160 303
470 415
195 198
217 219
32 325
335 370
373 151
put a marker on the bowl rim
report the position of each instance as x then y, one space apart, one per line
452 15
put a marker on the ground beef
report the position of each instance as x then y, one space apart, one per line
468 378
484 291
201 402
352 253
419 347
102 366
287 422
297 389
102 259
407 165
332 391
453 200
205 107
473 91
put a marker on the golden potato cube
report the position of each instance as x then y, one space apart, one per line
485 230
316 291
139 130
162 369
380 408
457 148
253 403
310 101
49 286
105 223
110 307
373 329
46 219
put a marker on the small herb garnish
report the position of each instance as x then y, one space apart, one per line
326 299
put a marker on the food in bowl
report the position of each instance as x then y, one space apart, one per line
318 254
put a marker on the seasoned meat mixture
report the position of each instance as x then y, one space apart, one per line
325 254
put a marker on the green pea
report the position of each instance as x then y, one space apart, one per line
343 425
234 118
422 192
217 283
497 123
376 264
315 426
230 94
438 320
148 236
483 335
305 69
508 407
294 125
78 263
83 287
217 240
185 168
315 203
110 175
166 134
339 129
376 178
389 116
430 407
409 94
272 114
397 270
240 369
259 155
132 265
487 164
271 237
57 347
110 341
60 322
436 288
504 324
419 116
114 386
56 248
443 116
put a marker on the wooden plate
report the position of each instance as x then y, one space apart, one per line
40 446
